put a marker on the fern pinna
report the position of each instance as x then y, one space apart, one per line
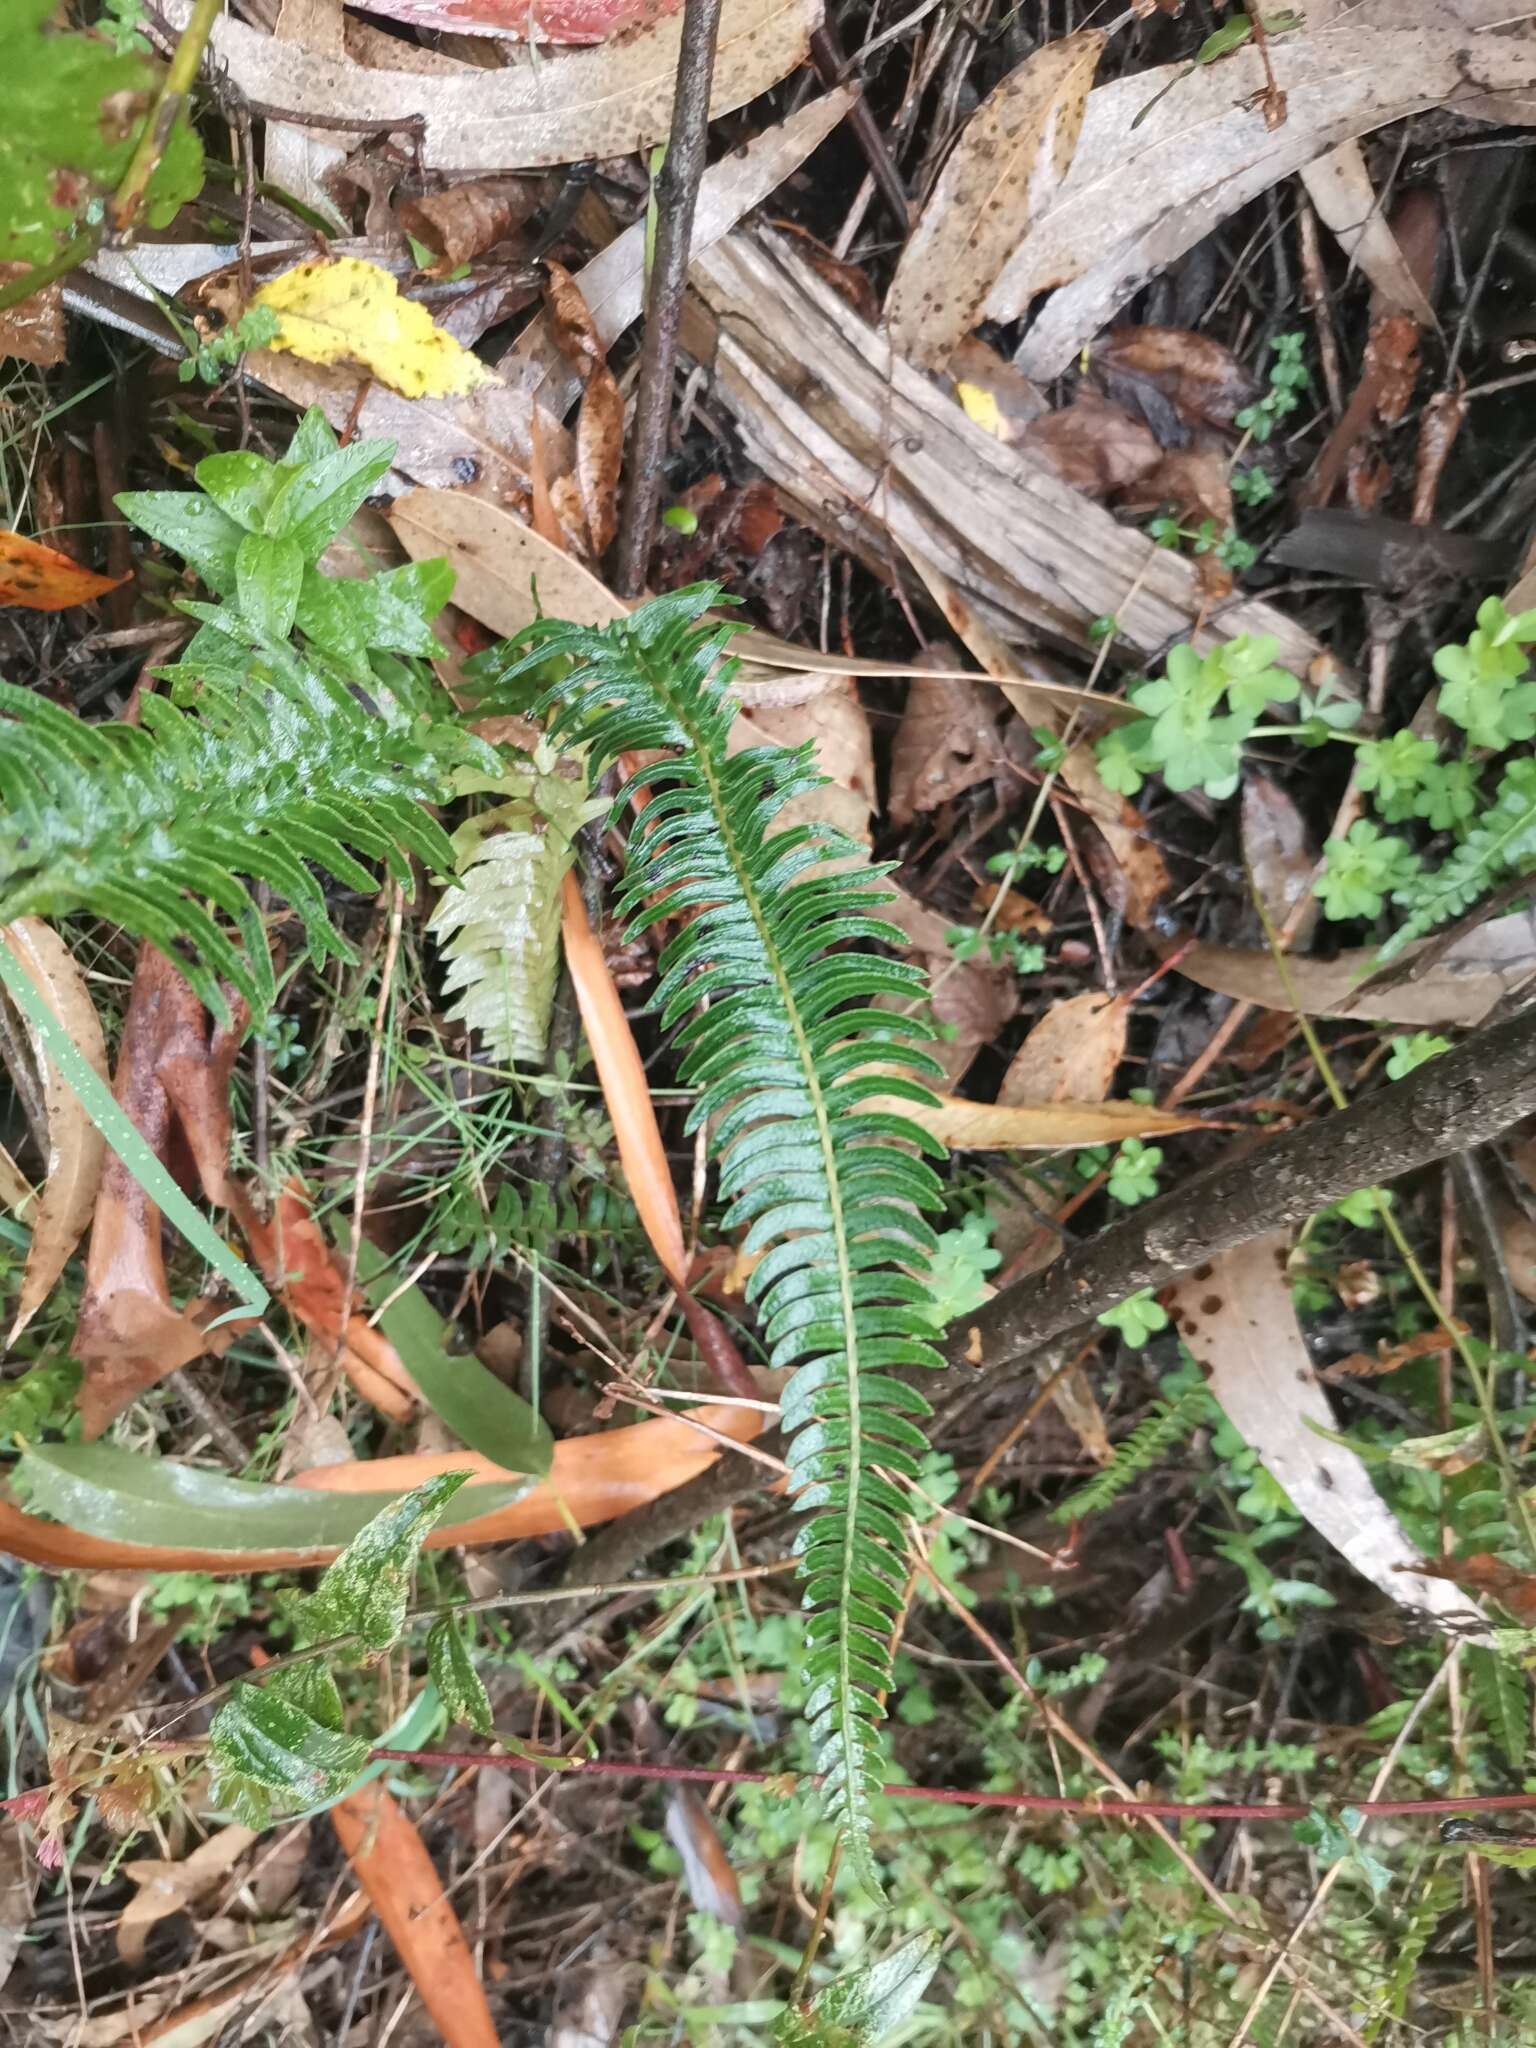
788 1055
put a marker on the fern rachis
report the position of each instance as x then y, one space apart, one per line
830 1191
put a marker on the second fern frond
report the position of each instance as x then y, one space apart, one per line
787 1051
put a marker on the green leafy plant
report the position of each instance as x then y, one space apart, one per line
1197 717
1288 375
1133 1172
1362 870
216 353
266 755
859 2010
831 1188
1164 1426
284 1744
1138 1318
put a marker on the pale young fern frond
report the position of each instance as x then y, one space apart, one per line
787 1061
499 924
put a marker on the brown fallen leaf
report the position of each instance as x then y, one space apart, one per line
33 331
1072 1054
1238 1318
605 101
1483 1573
1141 192
1000 399
1459 985
947 742
462 223
1392 364
1093 445
1011 156
172 1081
1040 1126
1278 854
1196 484
167 1888
972 999
600 424
40 579
390 1862
1200 380
76 1149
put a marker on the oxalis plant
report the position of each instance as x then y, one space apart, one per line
1473 803
795 1072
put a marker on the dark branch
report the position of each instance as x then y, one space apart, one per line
1462 1099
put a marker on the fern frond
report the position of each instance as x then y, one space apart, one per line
499 928
830 1189
277 766
1501 843
266 757
1162 1429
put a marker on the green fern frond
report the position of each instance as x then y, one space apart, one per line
1500 844
1162 1429
499 928
831 1189
265 758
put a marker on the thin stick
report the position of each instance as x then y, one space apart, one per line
676 197
181 74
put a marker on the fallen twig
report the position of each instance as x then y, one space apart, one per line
677 194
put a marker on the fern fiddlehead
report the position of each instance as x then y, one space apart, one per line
781 1040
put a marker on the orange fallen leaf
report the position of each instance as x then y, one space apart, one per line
592 1479
390 1861
44 580
643 1156
1072 1054
626 1090
306 1276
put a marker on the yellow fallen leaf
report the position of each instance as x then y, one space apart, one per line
981 406
345 310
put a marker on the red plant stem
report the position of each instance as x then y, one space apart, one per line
1090 1808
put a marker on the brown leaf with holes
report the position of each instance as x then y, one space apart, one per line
1203 382
1093 445
76 1150
1010 160
462 223
172 1081
32 332
947 742
1072 1054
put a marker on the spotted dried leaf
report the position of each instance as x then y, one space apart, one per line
1006 167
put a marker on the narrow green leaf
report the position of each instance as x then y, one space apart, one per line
241 483
105 1490
476 1406
193 527
452 1665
